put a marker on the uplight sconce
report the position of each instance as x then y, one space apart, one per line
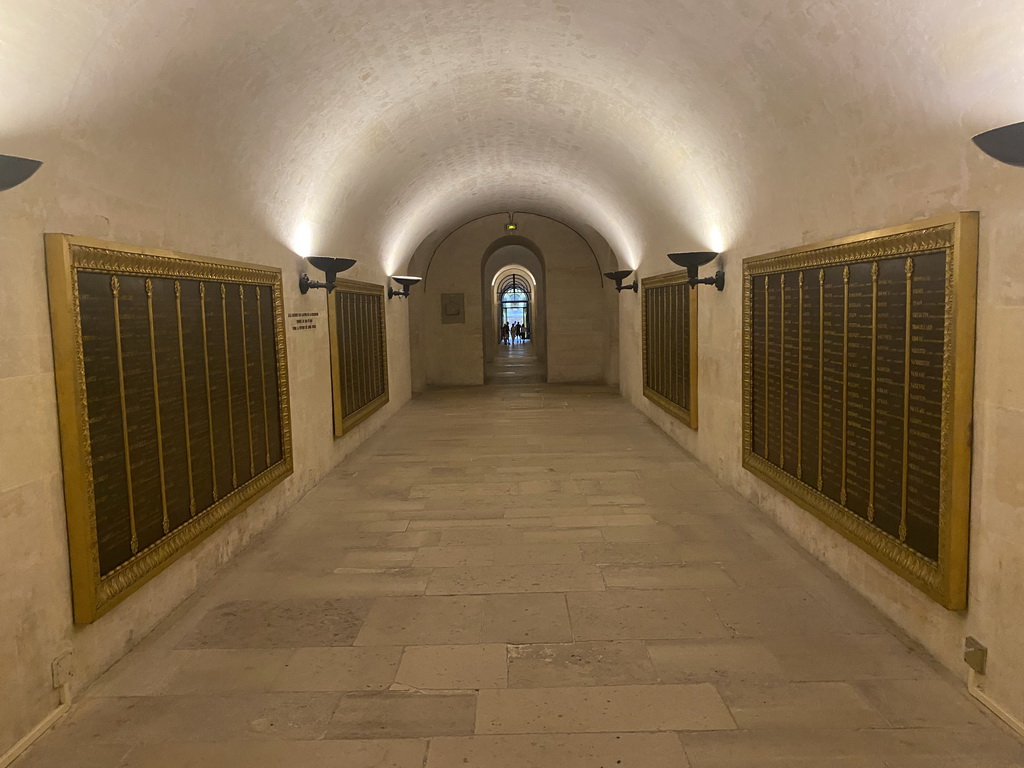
511 225
1005 144
330 266
621 275
15 170
692 262
406 282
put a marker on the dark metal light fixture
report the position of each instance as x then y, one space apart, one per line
620 275
511 226
693 261
14 170
406 281
1005 144
330 266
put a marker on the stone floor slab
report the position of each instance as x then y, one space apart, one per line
528 618
280 624
378 753
597 750
781 706
605 709
644 615
784 611
634 534
666 576
54 753
810 746
402 716
921 703
514 579
452 667
339 669
162 719
423 620
717 661
379 558
567 534
851 657
225 671
341 582
547 665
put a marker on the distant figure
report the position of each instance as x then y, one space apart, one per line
504 333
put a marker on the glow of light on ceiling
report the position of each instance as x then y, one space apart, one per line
435 200
301 240
516 268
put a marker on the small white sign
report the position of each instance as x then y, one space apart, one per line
303 321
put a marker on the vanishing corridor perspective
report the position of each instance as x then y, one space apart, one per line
512 383
525 576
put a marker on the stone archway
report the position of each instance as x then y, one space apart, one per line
507 255
577 308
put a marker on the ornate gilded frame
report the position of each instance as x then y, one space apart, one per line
944 581
343 424
687 416
65 256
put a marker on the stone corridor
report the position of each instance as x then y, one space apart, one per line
525 577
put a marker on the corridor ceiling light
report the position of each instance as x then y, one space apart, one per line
14 170
1005 144
621 275
406 281
330 266
692 262
511 226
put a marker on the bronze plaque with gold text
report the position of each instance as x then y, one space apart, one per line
858 364
173 395
669 310
359 352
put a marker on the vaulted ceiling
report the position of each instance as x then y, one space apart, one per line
387 120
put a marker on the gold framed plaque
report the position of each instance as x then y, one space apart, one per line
172 390
858 375
359 352
669 320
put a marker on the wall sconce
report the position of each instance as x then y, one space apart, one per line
621 275
330 266
406 282
14 170
692 262
1005 144
511 226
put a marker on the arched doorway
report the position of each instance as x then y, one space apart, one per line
574 318
514 295
514 307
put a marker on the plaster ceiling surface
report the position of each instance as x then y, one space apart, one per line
380 121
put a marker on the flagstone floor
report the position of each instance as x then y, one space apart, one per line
525 577
515 364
